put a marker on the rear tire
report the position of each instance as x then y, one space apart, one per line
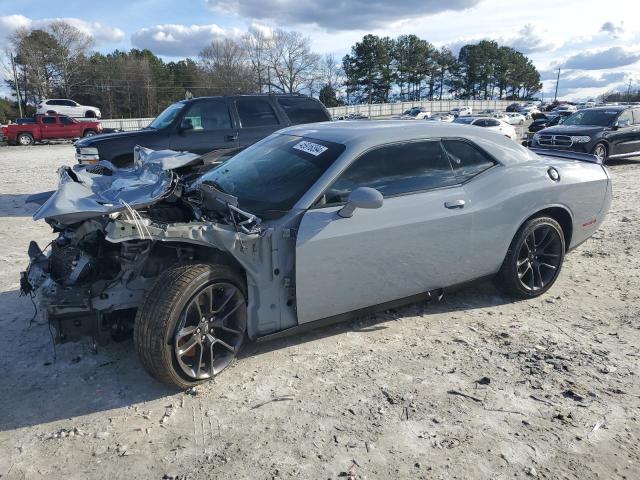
164 332
89 133
25 139
534 259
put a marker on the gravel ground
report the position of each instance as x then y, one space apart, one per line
476 386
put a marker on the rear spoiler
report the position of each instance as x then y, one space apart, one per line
582 157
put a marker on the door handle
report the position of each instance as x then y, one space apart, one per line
231 138
454 204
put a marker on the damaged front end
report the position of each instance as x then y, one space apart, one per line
118 229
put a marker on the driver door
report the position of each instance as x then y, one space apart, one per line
212 128
415 242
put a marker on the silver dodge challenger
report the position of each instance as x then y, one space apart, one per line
314 224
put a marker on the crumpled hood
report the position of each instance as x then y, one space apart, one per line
89 192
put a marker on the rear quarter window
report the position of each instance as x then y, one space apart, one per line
466 159
303 110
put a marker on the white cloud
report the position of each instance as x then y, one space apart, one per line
337 15
529 39
100 33
180 40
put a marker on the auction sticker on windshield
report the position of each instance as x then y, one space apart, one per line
310 147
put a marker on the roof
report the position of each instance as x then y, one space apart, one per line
364 134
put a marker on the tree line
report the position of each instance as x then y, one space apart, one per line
59 62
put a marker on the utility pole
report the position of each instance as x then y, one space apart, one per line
555 97
15 79
629 92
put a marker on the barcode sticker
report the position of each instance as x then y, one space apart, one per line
309 147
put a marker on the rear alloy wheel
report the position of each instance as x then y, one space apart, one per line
25 139
534 259
192 323
600 151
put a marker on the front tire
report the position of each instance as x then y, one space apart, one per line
25 139
534 259
191 324
600 151
90 114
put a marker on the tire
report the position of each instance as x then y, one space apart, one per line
600 150
89 133
514 278
163 316
90 114
51 112
25 139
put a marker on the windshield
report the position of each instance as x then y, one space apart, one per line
269 177
600 118
167 116
466 120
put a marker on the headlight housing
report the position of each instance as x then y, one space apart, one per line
86 155
581 139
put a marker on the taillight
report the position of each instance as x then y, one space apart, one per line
39 106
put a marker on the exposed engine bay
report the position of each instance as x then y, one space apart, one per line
118 229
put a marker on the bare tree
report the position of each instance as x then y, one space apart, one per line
256 45
227 67
331 73
292 64
70 52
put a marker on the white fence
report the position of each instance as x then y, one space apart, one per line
373 110
386 109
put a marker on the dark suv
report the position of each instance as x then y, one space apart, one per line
203 124
606 132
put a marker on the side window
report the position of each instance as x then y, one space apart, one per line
626 116
480 123
66 120
492 123
467 160
49 120
53 102
209 115
68 103
303 110
255 112
395 169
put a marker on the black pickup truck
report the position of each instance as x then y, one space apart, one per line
203 124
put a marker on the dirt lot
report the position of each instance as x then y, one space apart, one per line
474 387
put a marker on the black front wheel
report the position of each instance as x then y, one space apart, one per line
192 323
534 259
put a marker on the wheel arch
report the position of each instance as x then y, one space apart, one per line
561 215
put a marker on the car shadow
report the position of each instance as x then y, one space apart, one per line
16 205
612 162
35 389
478 294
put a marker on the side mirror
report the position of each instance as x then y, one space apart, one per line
361 197
622 123
186 124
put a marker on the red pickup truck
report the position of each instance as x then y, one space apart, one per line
49 127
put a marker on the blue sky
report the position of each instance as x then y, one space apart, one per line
595 42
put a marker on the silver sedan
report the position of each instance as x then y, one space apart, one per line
314 224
